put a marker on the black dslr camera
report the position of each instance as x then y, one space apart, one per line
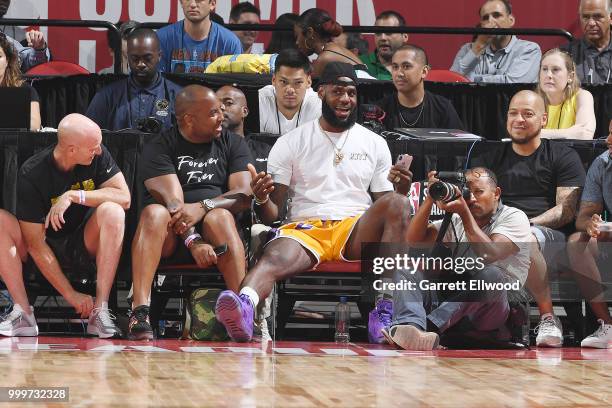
444 190
149 125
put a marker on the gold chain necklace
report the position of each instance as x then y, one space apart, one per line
338 155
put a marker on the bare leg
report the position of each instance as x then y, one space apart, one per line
385 221
219 228
281 259
151 242
537 281
12 253
104 239
582 252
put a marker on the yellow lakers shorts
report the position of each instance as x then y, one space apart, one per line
325 239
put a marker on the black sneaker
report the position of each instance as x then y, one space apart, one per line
140 327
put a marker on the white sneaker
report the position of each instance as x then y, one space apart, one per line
102 323
263 334
17 323
549 332
602 338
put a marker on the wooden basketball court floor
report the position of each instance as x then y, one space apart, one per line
175 373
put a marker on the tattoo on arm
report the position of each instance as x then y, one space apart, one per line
562 213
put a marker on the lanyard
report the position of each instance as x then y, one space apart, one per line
297 123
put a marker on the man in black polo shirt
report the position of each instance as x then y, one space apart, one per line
543 179
412 106
71 207
197 180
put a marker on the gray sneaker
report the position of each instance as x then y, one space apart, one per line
17 323
102 324
410 338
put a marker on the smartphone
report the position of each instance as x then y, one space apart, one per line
404 160
220 250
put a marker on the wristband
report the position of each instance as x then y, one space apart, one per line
261 202
189 240
81 197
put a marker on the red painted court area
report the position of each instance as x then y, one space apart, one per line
95 345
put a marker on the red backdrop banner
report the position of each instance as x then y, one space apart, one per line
89 48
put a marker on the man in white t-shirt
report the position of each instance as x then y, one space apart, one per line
491 244
290 101
336 174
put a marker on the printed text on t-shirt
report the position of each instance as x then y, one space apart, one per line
195 175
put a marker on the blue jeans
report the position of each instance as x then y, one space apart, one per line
486 310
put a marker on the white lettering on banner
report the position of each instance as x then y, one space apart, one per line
161 11
179 11
223 9
265 8
112 11
283 7
365 12
344 12
308 4
87 54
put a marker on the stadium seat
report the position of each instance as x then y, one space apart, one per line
444 75
57 68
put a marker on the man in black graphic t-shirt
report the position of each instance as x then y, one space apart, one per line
197 180
71 208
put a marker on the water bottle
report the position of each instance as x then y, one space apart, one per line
343 321
526 325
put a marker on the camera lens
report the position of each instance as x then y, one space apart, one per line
442 191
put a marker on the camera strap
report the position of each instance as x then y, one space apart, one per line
129 99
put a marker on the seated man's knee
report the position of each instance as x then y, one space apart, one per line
155 216
110 213
396 207
219 217
276 257
6 218
9 224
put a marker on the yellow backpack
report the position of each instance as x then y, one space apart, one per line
243 64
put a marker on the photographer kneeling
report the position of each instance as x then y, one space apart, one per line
481 227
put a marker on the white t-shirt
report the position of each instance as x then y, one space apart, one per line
303 159
511 223
269 120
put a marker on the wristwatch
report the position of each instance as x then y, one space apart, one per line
208 205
